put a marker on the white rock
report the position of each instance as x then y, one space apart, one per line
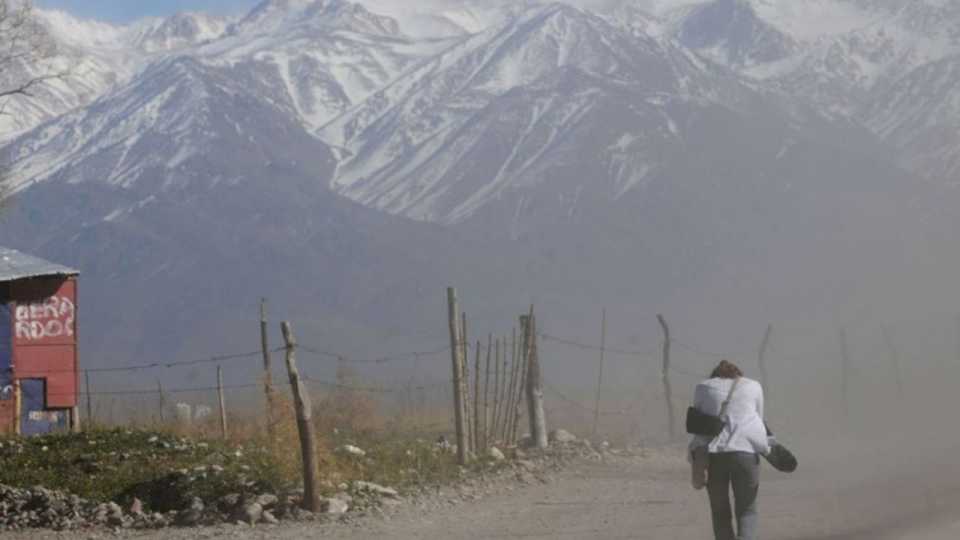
335 506
562 436
496 454
375 488
352 450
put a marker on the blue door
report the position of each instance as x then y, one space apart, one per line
35 419
6 353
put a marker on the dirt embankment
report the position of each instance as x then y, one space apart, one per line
649 498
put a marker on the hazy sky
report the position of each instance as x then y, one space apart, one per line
126 10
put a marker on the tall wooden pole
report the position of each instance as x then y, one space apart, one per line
304 412
456 350
497 405
267 371
478 438
665 374
504 393
160 401
603 348
538 420
86 376
894 360
465 374
486 399
524 352
844 372
511 389
762 359
223 405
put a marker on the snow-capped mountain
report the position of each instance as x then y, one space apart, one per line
328 54
696 142
853 58
414 146
178 31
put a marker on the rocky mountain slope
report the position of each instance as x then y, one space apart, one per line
689 156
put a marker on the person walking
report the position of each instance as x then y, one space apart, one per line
731 460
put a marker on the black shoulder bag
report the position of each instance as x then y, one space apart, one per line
701 423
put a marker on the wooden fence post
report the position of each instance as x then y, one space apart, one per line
478 438
497 404
223 405
603 348
667 390
456 350
160 401
538 421
524 363
504 397
762 359
511 389
304 412
267 370
486 398
86 376
465 378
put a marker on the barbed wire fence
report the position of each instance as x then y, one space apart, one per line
421 391
412 397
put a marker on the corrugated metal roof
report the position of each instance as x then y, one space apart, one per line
16 265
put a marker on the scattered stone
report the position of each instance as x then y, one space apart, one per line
352 450
562 436
527 465
267 500
229 501
189 517
376 489
269 518
335 506
252 513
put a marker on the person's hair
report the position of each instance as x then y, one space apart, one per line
726 370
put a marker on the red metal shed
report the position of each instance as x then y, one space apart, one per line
39 383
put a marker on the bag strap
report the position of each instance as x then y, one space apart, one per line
723 408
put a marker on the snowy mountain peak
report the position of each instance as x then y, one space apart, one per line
272 15
182 30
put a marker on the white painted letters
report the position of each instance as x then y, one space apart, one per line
51 318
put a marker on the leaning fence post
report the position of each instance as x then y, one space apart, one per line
267 369
456 350
465 378
494 345
667 390
160 402
538 420
508 417
503 385
302 406
223 405
86 376
477 433
524 363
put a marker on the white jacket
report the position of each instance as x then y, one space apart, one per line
745 430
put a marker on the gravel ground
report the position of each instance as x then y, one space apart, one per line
635 498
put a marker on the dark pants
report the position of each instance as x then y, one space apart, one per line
741 471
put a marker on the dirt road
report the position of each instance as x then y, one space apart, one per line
645 499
